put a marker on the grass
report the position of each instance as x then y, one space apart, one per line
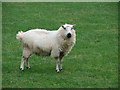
92 63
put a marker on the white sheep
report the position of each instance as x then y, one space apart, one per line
47 43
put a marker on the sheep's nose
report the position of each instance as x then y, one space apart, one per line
69 35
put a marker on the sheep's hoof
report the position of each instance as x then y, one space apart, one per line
21 69
61 70
28 67
57 71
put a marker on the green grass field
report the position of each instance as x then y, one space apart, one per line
92 63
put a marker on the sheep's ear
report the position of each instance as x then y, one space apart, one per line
63 27
74 25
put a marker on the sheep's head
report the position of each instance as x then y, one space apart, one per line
68 30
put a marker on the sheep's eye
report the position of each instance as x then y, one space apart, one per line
71 28
64 28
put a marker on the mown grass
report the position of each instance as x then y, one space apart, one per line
92 63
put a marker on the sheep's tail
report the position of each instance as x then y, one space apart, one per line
19 35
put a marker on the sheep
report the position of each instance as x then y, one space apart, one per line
56 44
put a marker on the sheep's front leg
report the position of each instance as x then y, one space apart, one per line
57 60
61 64
61 59
27 64
22 64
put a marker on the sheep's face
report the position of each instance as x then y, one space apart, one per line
68 30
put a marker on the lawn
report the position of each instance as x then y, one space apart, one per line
92 63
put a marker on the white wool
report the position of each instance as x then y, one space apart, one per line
47 43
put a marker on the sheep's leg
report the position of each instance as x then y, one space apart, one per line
26 54
22 64
27 64
61 64
61 59
57 60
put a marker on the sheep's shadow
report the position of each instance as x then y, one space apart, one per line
39 69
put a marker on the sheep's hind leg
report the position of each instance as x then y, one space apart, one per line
26 54
57 60
22 64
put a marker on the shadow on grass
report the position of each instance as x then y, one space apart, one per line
39 70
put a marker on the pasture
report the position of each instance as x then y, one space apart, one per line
93 61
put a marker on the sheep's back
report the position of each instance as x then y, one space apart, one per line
40 40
